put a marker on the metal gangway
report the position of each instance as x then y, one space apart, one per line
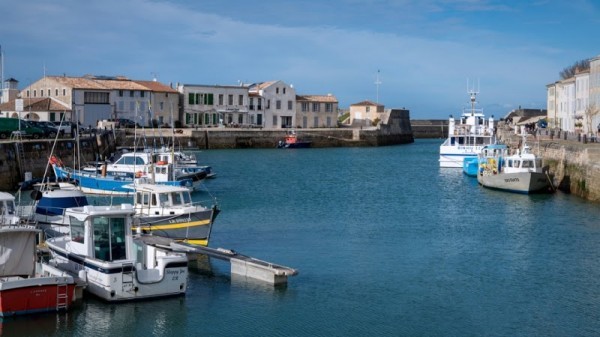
241 264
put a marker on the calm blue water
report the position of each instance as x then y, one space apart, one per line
386 243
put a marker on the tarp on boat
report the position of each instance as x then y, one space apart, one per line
17 251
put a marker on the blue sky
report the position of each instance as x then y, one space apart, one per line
425 50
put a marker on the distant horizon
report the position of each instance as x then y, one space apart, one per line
423 56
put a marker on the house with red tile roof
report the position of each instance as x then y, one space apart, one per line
93 98
316 111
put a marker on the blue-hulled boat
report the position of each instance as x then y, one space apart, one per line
471 165
108 182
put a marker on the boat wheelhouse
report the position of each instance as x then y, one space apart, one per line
467 136
117 265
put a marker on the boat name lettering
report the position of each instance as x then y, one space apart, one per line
511 180
179 220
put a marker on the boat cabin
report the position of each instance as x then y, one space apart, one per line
151 199
8 214
100 233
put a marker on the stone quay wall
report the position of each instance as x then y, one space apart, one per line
429 128
573 164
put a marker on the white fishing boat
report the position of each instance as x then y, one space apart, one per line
117 265
520 173
169 211
28 286
467 136
162 210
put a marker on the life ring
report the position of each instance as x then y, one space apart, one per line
162 162
55 161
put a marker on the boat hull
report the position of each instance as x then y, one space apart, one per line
93 183
122 281
520 182
470 166
194 227
35 295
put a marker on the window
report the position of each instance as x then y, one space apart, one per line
220 99
48 92
259 104
251 103
278 104
27 93
92 97
142 93
55 92
290 105
328 107
368 108
176 199
277 90
34 93
77 230
304 106
328 121
316 107
120 93
230 100
161 106
284 90
268 104
274 120
41 93
316 122
240 119
109 238
52 116
241 100
131 93
64 92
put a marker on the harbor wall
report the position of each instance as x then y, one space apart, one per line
429 128
18 159
574 166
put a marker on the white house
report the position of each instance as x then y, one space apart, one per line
214 105
275 104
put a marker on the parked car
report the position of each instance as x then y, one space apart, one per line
11 125
124 123
66 127
49 129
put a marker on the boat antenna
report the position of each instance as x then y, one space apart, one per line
473 93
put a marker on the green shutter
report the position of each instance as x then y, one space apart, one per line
191 98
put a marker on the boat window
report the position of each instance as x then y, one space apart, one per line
138 198
10 207
139 161
187 198
117 239
527 163
176 198
154 200
77 230
145 198
109 238
510 163
164 199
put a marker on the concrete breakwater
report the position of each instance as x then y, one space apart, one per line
231 138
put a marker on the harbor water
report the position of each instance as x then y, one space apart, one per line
386 244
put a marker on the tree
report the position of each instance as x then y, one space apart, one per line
578 66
